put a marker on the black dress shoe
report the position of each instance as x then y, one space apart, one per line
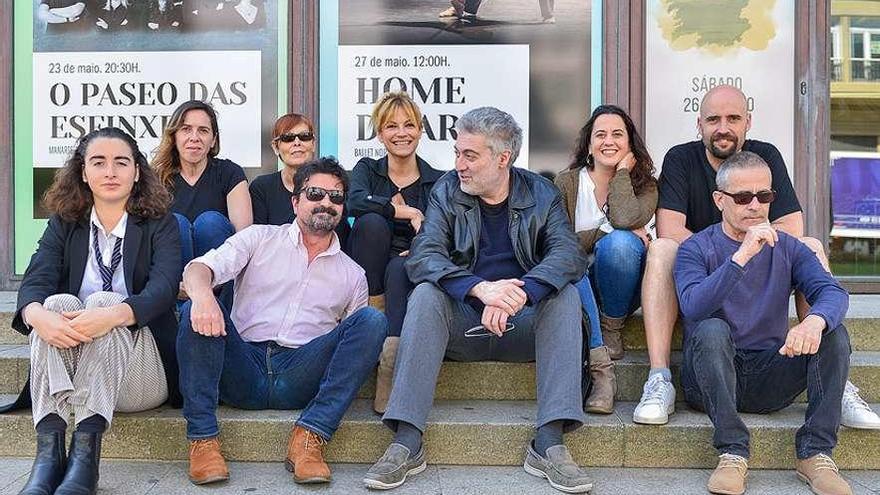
49 465
81 477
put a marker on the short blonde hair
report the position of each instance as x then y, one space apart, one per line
391 102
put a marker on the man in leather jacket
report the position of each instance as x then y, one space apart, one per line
493 266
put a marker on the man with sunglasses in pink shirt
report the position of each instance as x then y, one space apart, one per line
733 281
299 334
686 206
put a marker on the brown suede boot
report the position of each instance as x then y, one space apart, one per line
206 463
385 373
611 336
377 302
305 457
601 399
821 474
729 478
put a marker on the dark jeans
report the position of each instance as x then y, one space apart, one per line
719 379
370 246
208 231
616 272
321 377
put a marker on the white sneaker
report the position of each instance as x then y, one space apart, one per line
658 402
855 412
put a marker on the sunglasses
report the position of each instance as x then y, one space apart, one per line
481 331
745 197
316 194
288 137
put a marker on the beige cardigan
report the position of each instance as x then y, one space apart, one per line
626 211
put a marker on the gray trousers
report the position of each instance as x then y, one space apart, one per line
434 327
83 380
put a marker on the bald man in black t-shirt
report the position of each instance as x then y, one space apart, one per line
685 207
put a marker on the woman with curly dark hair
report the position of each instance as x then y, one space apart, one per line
96 301
610 195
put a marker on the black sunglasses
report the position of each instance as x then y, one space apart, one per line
316 194
745 197
288 137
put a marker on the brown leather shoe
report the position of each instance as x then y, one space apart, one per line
611 336
305 457
206 463
377 302
385 373
821 474
729 478
601 399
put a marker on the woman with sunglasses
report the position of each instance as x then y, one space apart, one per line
610 195
293 141
96 301
210 195
388 198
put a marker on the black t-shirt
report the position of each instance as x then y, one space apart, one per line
273 205
402 236
271 200
209 192
688 179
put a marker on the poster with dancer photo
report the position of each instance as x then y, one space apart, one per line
692 47
530 58
129 64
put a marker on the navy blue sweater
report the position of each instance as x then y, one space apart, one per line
495 260
753 299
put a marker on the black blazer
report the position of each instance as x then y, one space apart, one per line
371 189
152 267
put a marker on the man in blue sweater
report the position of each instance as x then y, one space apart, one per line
494 265
733 281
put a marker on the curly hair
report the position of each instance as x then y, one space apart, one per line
167 159
71 198
642 174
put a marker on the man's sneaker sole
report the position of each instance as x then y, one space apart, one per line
567 489
655 421
210 479
378 485
863 426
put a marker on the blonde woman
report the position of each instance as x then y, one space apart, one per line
388 199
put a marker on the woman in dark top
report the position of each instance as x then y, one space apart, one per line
211 200
388 198
97 300
610 195
293 141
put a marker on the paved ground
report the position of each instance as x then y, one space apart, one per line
135 478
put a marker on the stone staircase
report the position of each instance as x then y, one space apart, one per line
483 415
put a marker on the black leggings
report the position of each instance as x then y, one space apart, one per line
370 246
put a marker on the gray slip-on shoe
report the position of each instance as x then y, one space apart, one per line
559 469
391 470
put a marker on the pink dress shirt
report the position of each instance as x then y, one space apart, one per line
279 296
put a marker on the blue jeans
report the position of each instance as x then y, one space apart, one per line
321 377
616 272
590 310
209 231
720 379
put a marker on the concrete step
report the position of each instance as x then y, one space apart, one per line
468 433
864 333
162 477
501 381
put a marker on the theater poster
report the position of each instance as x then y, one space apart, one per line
692 46
128 63
533 59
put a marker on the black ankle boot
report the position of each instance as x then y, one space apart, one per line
49 465
81 477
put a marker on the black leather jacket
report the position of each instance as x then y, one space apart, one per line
543 240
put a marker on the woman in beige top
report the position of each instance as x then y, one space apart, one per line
610 194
